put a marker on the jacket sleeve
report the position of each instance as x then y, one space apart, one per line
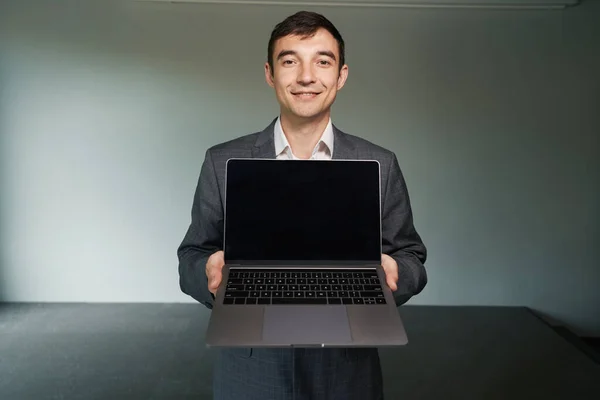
204 235
400 239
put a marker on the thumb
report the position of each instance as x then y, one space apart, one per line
391 283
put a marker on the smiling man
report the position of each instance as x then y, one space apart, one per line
306 68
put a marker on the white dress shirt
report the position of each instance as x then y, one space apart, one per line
322 151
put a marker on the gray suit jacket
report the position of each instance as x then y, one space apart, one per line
316 373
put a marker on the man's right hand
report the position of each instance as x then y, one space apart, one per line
214 271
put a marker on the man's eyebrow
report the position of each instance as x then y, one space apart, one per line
325 53
284 53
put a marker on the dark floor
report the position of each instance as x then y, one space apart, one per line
156 351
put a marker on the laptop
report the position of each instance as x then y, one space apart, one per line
302 248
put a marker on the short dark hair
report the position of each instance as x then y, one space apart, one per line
305 24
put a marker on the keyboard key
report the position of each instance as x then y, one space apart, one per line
347 300
322 294
371 294
372 287
235 288
264 301
236 294
334 301
299 301
251 300
228 300
299 294
312 295
380 301
288 294
277 294
240 300
358 300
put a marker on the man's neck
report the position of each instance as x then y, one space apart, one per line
303 135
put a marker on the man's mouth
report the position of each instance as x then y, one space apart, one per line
305 94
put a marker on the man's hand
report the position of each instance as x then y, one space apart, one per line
390 266
214 271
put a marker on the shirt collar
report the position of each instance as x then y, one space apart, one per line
282 144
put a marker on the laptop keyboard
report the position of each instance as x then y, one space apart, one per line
256 286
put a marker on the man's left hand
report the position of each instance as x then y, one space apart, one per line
390 266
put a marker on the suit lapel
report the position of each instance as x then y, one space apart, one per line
343 149
264 147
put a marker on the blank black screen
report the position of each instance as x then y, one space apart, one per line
302 210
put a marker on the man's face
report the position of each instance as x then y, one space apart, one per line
306 75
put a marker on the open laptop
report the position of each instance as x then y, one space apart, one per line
302 249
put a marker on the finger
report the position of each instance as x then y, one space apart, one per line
215 279
391 272
392 283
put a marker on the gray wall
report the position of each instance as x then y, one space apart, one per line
106 111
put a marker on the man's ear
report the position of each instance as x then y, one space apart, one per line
269 75
342 77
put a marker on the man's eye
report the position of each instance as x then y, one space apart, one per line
287 62
324 62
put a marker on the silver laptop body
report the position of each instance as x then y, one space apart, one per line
302 251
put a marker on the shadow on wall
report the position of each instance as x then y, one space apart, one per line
3 172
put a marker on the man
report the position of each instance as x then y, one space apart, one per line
306 68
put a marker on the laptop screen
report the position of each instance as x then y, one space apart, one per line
302 210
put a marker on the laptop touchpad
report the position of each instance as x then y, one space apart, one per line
306 325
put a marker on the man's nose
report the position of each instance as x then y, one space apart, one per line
306 74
